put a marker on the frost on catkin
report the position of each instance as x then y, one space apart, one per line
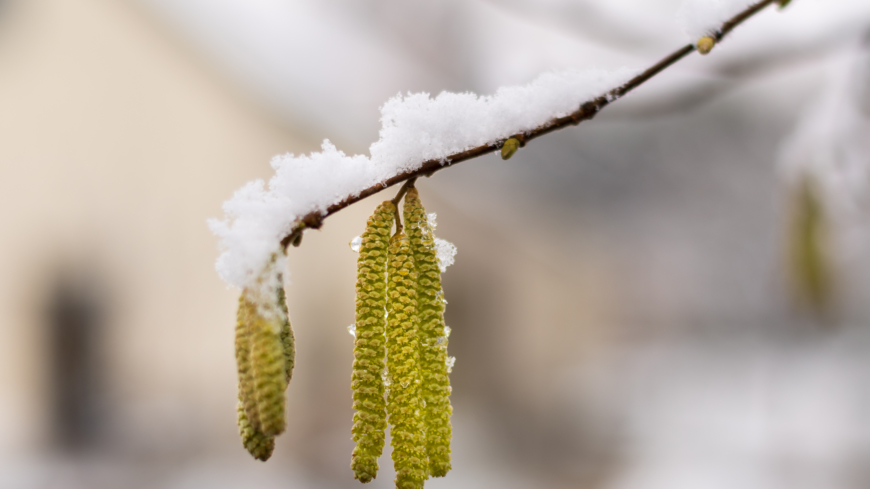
370 419
260 356
432 337
404 401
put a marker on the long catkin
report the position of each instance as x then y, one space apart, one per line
433 338
370 419
404 401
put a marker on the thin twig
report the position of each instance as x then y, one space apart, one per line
586 111
742 17
398 198
402 191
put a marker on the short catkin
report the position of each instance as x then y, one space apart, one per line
433 338
259 445
370 419
404 401
247 397
288 340
260 356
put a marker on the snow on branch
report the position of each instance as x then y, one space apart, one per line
419 136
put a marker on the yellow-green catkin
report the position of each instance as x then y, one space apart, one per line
256 443
404 399
370 419
288 340
247 396
260 355
811 271
433 337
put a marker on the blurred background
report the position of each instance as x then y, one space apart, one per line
674 295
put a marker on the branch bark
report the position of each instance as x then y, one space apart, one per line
586 111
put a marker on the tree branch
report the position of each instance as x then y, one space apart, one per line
586 111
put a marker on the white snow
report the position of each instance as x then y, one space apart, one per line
445 253
414 128
700 18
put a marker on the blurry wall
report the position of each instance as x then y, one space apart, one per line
116 144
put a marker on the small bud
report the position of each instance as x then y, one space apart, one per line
705 44
509 148
783 4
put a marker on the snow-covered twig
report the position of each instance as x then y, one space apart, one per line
586 111
421 135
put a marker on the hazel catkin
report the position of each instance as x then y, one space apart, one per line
255 442
432 336
247 398
288 340
260 357
811 271
258 444
370 419
404 401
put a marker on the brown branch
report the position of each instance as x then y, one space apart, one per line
398 198
742 17
586 111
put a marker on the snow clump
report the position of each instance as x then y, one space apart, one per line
415 128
